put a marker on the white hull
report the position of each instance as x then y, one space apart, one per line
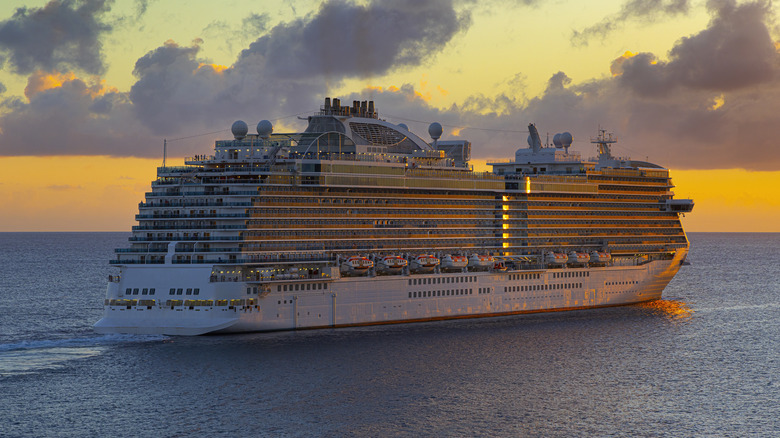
355 301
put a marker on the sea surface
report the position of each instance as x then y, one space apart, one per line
705 361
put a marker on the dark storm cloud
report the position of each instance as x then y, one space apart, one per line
344 39
62 34
644 10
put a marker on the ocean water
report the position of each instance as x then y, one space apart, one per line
705 361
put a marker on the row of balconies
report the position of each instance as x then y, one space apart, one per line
201 193
181 238
199 203
186 215
188 227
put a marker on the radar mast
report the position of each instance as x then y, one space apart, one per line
602 142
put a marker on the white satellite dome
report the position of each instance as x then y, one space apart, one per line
239 129
566 139
264 129
557 141
403 125
435 130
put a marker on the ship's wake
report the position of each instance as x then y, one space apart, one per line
29 356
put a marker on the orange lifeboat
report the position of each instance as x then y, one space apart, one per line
356 265
556 258
579 257
424 263
454 262
481 261
600 256
391 264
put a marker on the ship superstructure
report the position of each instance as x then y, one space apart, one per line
359 221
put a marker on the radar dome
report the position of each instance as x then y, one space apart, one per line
239 129
265 129
435 130
557 141
403 125
566 139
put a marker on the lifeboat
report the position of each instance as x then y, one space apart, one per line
556 258
481 261
600 256
579 257
391 264
454 262
356 265
423 263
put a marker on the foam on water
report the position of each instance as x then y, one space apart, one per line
26 357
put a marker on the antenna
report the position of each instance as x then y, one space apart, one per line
165 150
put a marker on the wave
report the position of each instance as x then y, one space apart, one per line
90 341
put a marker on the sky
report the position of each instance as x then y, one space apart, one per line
90 88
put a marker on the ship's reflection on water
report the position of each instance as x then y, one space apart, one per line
673 309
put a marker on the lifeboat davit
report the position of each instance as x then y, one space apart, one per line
391 264
600 256
579 257
423 263
481 261
557 258
454 262
499 266
356 265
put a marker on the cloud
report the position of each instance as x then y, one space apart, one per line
178 93
230 37
641 10
694 110
63 34
64 115
734 52
345 39
287 70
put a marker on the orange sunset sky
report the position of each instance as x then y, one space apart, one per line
89 89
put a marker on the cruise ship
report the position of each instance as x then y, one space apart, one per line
359 221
